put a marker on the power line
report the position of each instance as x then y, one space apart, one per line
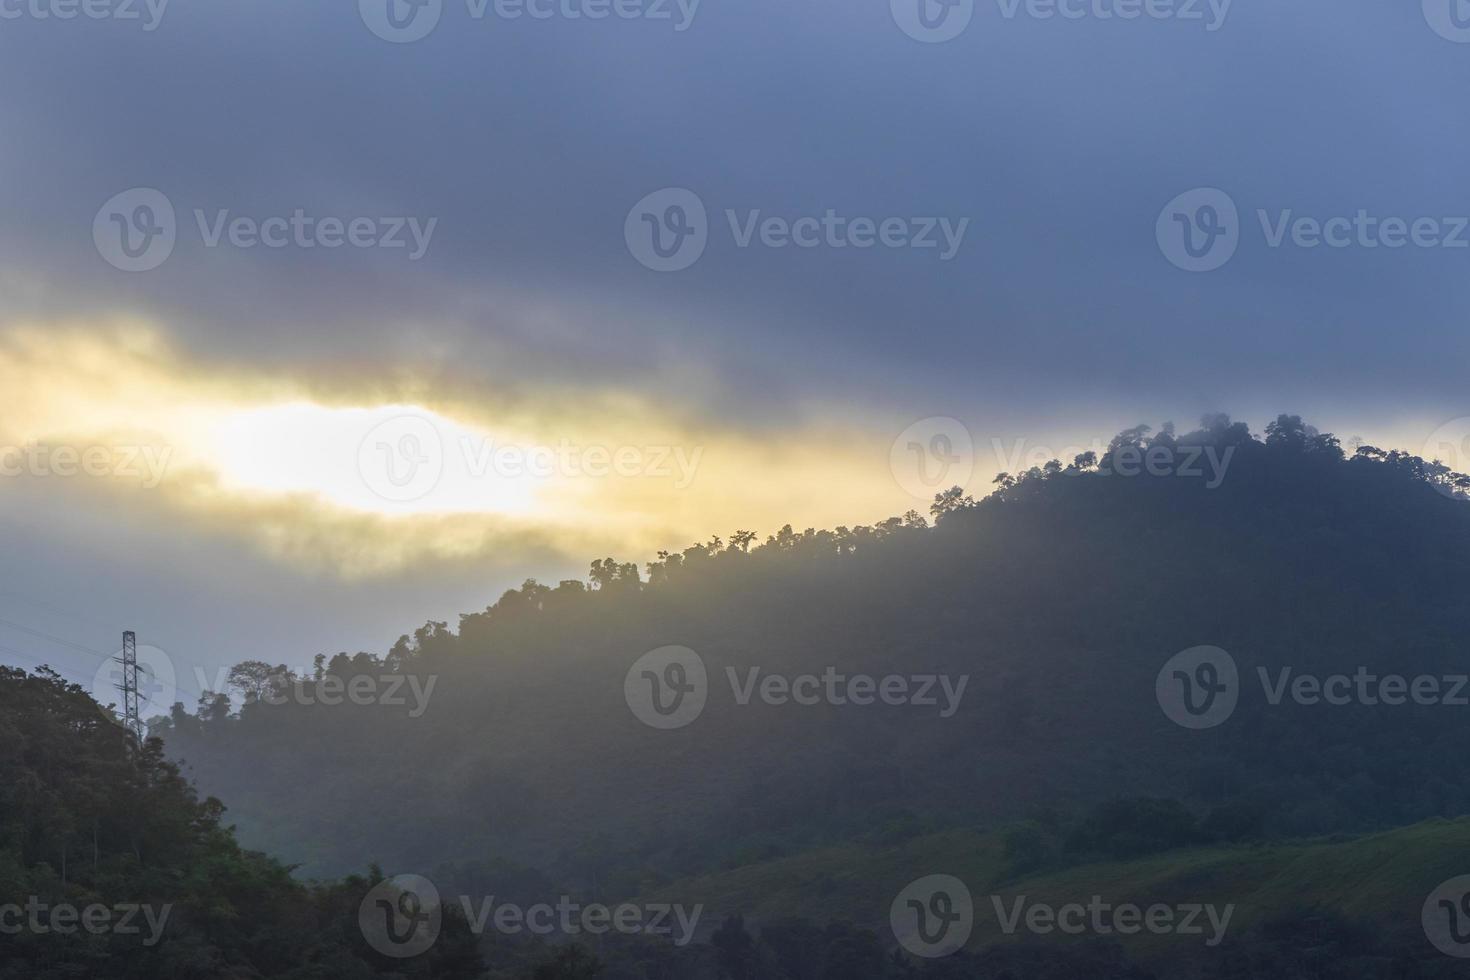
41 661
68 614
42 634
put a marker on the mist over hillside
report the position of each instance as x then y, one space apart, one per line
325 325
1021 636
1126 717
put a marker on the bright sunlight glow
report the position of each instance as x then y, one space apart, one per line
392 460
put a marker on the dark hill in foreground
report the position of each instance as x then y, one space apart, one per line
91 820
112 868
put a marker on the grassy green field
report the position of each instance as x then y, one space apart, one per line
1382 879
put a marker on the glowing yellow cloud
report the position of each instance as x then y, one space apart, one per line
359 479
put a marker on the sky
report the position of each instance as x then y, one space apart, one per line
319 321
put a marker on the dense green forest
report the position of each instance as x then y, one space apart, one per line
1060 596
520 771
90 819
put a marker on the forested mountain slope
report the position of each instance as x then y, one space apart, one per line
112 867
1058 598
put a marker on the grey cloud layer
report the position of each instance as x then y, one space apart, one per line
529 140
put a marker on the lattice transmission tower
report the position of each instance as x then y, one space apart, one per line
132 719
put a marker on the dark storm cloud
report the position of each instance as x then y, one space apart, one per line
1059 139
